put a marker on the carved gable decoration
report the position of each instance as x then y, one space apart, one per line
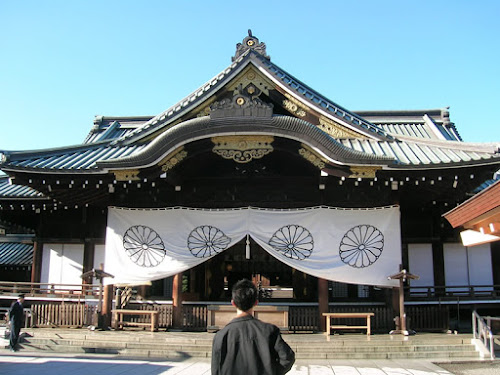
241 105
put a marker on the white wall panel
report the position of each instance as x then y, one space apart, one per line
455 265
468 265
480 267
421 264
62 263
51 263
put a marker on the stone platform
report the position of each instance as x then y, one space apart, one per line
135 343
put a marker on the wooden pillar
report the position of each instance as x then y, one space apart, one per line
107 305
395 302
322 302
142 290
438 262
177 301
88 259
36 268
402 313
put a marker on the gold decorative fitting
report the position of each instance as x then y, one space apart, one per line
312 158
364 172
336 130
127 175
250 43
240 101
250 77
242 149
173 159
295 107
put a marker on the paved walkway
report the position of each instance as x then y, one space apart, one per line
39 364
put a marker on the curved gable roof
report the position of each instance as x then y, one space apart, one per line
283 80
281 126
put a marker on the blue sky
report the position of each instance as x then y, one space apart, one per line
63 62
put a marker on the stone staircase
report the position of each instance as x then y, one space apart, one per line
171 345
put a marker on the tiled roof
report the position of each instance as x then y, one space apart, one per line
74 159
407 151
423 141
16 254
106 128
426 154
8 190
423 124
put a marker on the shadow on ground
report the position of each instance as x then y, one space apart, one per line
472 368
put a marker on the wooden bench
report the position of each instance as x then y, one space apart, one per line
330 316
120 323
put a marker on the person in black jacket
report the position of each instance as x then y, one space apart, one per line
247 345
16 316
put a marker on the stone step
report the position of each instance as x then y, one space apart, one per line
397 349
172 345
175 354
298 347
318 339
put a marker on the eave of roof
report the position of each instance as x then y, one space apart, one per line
13 191
481 203
75 159
408 152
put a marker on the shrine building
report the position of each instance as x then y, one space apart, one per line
256 175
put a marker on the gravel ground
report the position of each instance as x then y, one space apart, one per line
472 368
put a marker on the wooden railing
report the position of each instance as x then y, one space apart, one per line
48 289
428 318
303 318
453 292
194 317
68 314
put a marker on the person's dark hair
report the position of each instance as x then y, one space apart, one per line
244 294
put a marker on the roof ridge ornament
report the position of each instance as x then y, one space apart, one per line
250 43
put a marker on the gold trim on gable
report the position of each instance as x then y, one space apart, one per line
294 106
364 172
312 157
243 148
126 175
336 130
174 158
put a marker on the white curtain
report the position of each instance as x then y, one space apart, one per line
360 246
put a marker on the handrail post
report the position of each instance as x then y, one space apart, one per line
482 330
492 348
474 325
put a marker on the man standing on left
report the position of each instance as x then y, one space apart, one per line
16 316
